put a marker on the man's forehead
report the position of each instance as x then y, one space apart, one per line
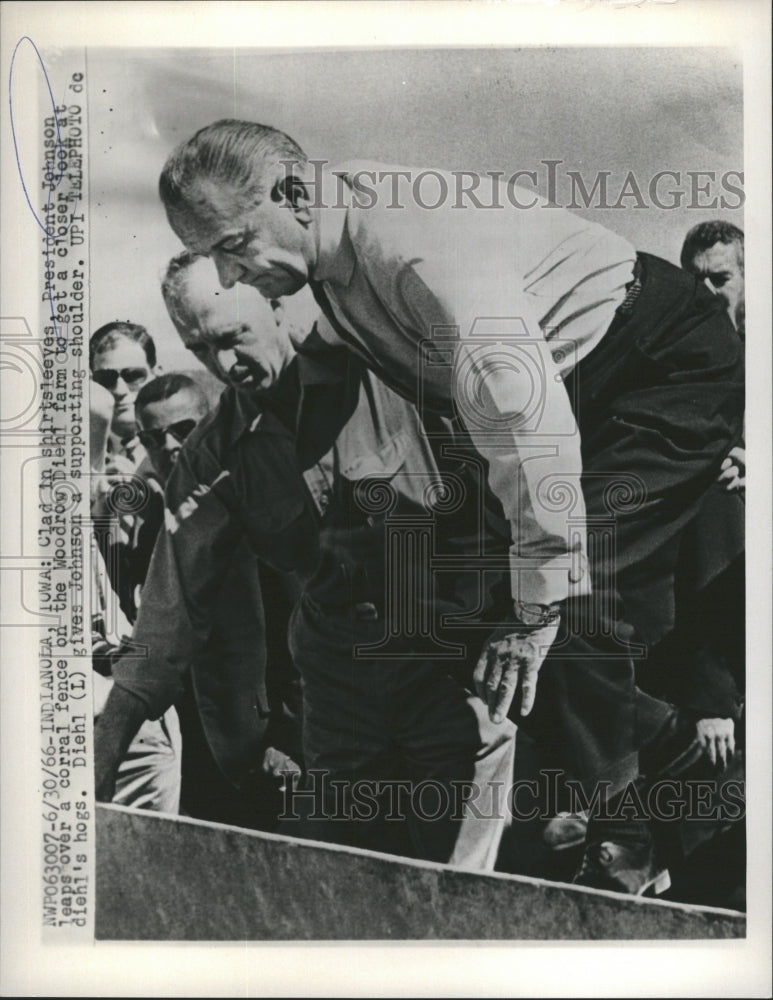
218 307
209 207
123 347
206 301
184 401
720 256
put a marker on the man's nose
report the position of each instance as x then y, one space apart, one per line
228 270
226 359
722 293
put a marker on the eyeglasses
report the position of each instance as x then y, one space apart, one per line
156 438
108 377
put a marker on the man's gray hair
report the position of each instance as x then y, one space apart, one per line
173 288
235 152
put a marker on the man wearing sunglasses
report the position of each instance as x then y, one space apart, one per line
122 357
167 410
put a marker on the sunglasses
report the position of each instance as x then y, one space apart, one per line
108 377
156 438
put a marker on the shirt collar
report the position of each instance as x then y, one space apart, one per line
335 257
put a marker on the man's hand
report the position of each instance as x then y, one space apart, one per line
512 654
279 765
717 737
733 473
119 468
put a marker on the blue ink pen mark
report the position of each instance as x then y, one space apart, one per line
61 340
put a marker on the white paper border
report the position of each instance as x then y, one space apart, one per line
719 968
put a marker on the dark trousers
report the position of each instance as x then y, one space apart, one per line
659 403
374 723
208 794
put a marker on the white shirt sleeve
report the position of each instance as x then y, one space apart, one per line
516 409
513 402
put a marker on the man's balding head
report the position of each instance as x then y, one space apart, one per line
237 335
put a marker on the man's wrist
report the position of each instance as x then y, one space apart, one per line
536 615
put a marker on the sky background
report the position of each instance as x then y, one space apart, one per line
644 110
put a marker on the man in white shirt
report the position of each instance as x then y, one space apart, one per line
599 388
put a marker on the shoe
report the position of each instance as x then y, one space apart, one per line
629 868
565 830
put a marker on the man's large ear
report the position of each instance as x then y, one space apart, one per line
292 188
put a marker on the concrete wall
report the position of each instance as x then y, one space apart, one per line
172 879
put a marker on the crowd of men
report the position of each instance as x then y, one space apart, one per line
492 497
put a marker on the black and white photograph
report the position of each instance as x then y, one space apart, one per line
374 451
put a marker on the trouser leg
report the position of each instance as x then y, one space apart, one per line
461 762
588 717
404 735
346 749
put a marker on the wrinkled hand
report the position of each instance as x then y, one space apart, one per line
279 765
733 473
509 657
717 737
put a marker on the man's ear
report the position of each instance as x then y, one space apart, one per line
292 189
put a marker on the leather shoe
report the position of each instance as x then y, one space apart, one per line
631 868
